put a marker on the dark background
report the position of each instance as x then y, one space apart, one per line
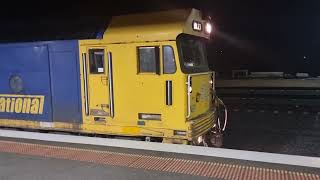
273 35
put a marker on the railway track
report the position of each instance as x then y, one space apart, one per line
272 119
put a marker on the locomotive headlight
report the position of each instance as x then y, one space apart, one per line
200 139
208 28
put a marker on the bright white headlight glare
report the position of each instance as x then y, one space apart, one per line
200 139
208 28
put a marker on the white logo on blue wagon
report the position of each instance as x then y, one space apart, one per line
25 104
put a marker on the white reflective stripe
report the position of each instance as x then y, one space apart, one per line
173 148
46 124
147 47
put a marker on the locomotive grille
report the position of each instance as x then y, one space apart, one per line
202 124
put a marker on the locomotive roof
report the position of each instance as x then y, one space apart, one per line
153 26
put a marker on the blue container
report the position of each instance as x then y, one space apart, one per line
40 81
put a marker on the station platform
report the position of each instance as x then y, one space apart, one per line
32 155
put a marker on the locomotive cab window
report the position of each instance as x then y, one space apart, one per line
193 55
148 60
169 64
96 60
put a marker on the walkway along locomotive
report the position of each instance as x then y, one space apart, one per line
146 77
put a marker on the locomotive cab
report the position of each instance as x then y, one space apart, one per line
201 115
161 83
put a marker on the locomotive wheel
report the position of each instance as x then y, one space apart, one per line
214 139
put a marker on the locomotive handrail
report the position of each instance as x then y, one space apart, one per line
189 89
84 61
111 98
189 96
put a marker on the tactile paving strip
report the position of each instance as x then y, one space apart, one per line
174 165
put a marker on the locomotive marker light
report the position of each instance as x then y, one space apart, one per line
197 26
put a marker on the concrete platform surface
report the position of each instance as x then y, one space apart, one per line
284 159
24 167
33 159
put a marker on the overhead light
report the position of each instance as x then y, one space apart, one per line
208 28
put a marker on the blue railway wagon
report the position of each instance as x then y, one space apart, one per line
40 81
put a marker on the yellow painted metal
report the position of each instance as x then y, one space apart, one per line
136 93
201 96
98 88
148 27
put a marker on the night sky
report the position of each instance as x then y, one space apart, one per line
268 36
273 35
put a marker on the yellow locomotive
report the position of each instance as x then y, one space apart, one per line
146 77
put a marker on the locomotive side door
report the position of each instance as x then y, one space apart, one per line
98 84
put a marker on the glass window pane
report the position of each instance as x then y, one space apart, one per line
148 59
169 64
192 52
96 61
